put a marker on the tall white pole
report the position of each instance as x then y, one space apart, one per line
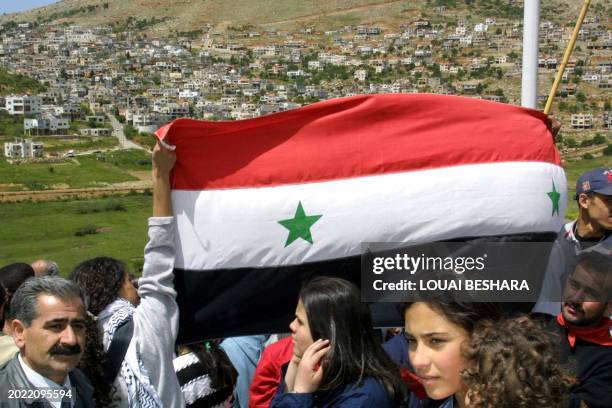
529 82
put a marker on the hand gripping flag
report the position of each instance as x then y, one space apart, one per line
264 203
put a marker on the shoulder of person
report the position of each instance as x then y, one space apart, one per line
10 366
11 377
372 389
83 387
79 376
4 365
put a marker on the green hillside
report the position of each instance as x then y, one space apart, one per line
18 84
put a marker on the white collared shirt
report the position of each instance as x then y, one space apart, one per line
40 381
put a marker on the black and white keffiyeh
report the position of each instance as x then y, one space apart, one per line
140 392
196 384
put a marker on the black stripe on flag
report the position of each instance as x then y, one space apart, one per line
244 301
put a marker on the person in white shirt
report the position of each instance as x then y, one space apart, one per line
144 374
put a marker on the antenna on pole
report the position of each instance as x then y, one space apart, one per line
529 79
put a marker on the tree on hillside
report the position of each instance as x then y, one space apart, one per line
599 139
570 142
130 131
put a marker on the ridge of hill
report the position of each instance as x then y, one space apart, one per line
165 16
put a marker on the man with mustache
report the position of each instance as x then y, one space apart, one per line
585 331
48 321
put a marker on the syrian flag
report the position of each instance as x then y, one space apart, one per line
262 204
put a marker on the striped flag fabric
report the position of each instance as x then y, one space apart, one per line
264 203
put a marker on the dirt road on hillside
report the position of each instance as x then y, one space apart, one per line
142 184
72 193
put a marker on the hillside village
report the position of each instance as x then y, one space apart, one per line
93 76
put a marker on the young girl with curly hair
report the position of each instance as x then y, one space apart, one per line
512 363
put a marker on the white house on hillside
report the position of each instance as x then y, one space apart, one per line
21 148
582 120
46 124
23 104
149 122
95 132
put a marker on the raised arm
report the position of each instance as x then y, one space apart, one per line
156 319
163 161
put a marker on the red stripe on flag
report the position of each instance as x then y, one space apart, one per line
352 137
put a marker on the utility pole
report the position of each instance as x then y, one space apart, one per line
529 79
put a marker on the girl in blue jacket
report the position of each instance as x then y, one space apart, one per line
337 359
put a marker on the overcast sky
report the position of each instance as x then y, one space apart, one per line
10 6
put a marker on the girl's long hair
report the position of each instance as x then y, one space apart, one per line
100 278
92 364
335 312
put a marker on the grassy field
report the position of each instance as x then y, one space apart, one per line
10 126
59 144
78 172
145 139
48 230
127 159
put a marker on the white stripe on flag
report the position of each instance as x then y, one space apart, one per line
240 228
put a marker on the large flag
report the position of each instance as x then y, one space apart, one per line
264 203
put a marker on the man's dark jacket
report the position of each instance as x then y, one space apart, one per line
591 364
13 377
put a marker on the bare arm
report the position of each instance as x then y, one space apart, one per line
163 161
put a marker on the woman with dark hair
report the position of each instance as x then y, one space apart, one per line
106 280
108 289
346 365
11 277
439 332
7 344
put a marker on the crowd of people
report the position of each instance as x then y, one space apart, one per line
98 339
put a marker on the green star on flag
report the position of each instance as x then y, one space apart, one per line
554 197
299 226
